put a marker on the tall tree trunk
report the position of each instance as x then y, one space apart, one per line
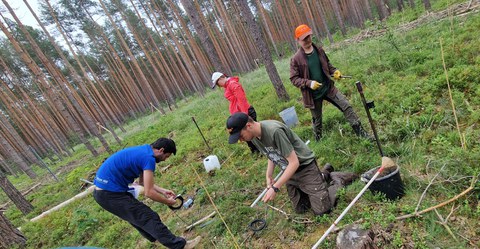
382 9
59 107
142 79
427 5
15 157
400 5
338 16
93 106
267 25
10 236
201 58
368 9
411 3
57 76
267 58
205 39
17 198
323 21
166 90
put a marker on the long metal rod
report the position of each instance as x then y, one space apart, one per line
370 120
266 189
335 223
193 118
43 163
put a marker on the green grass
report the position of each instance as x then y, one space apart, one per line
401 72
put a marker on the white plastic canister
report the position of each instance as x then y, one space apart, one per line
211 162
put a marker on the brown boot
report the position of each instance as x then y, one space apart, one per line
192 243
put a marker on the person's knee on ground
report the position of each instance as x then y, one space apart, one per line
321 202
299 199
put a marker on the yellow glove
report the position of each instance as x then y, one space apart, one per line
315 85
337 75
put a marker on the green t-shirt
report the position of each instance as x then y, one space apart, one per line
278 141
317 74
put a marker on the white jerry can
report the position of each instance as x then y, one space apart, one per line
211 162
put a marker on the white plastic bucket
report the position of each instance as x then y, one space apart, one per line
289 116
211 162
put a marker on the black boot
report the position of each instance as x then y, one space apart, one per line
317 135
326 170
328 167
359 131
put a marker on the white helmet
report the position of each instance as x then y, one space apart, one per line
215 77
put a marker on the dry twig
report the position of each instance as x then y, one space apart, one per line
428 186
441 204
443 222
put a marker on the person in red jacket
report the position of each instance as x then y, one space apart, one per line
235 95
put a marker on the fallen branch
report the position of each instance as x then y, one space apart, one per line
428 186
279 210
78 196
443 222
288 216
200 221
441 204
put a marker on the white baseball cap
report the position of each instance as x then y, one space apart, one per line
215 77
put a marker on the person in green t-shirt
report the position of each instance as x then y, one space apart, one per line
307 185
310 71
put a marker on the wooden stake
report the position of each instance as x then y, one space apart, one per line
462 141
216 208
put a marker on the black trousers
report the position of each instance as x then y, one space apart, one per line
253 114
139 215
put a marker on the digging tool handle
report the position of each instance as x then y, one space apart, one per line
265 190
335 223
193 118
360 90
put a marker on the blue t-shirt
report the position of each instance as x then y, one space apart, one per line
121 168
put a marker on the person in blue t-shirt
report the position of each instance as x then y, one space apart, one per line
112 190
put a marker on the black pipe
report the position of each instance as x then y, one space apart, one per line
193 118
367 109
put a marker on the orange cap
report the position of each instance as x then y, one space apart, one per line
302 31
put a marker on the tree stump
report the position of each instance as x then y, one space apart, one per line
353 237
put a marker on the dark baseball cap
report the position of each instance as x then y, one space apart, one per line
235 124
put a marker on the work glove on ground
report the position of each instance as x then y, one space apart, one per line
337 75
314 85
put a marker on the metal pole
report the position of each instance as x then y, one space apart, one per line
266 189
367 108
41 161
348 208
193 118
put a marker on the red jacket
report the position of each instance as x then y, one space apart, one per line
236 96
